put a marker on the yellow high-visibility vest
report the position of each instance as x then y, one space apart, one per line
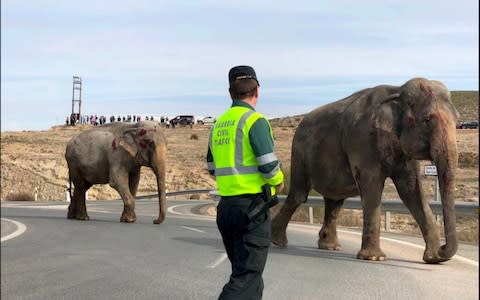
234 162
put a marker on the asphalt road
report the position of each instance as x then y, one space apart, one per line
50 257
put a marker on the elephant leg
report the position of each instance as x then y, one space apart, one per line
327 237
370 185
72 207
408 186
299 188
77 208
133 180
121 184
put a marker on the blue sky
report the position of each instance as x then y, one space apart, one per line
172 57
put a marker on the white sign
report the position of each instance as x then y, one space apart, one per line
431 170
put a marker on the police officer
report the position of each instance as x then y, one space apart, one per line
241 157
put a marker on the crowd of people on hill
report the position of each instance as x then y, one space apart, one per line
75 119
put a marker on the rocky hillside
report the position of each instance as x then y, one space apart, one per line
466 103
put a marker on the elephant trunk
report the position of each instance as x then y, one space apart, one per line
158 165
445 156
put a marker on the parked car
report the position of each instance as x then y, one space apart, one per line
182 120
207 120
468 125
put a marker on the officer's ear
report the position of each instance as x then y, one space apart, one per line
257 91
231 93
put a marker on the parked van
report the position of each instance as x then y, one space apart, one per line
182 120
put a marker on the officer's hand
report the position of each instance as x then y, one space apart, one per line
279 188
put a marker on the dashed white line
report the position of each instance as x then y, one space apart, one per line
193 229
220 259
20 229
217 262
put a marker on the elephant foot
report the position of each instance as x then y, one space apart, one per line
279 236
77 213
72 214
430 257
159 220
328 245
82 217
128 219
328 241
371 254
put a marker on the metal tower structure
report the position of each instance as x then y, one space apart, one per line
77 97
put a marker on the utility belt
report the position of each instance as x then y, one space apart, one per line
261 202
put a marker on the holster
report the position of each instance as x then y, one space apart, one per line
263 206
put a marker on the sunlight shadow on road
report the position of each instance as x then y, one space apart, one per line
342 256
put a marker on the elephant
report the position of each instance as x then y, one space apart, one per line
113 154
349 147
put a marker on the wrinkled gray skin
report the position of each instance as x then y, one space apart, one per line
114 154
349 147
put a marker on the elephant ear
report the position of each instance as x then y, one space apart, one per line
448 98
386 113
127 142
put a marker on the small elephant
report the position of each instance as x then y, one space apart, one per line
114 154
349 148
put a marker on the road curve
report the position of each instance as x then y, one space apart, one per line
183 258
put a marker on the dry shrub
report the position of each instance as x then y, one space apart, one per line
20 196
194 136
468 159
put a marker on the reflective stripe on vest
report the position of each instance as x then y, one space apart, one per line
239 168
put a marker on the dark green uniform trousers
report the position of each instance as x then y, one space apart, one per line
246 243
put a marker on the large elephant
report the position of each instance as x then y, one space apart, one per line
114 154
349 148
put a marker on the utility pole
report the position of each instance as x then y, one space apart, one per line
76 97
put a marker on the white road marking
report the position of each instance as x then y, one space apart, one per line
456 257
102 211
21 228
171 209
218 261
222 257
193 229
466 260
54 207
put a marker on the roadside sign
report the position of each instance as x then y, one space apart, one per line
431 170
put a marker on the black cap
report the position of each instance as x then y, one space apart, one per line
242 72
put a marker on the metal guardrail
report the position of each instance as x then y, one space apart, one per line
470 209
461 208
178 193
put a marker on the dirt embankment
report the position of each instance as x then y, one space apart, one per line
33 161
